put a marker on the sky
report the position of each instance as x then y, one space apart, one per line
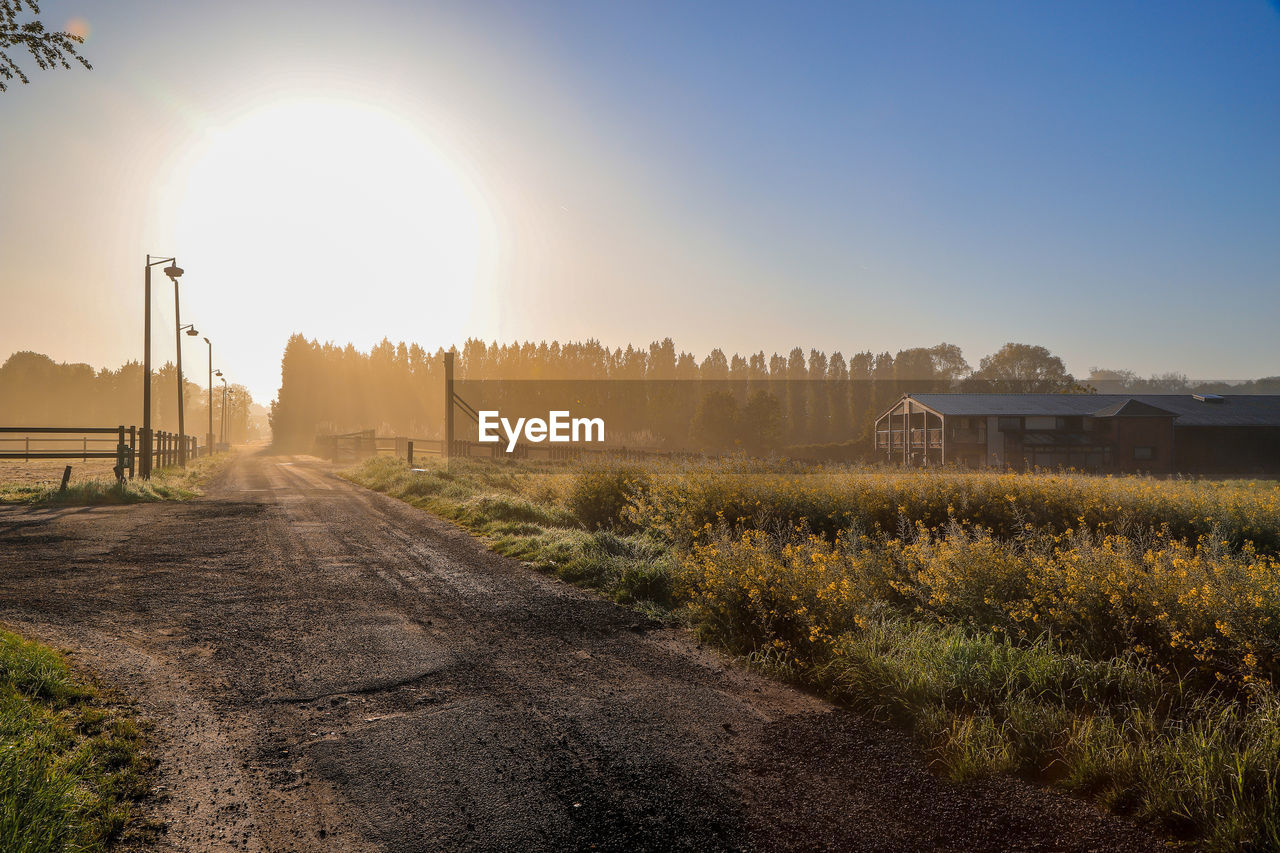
1100 178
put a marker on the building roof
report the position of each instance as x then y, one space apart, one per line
1232 410
1133 409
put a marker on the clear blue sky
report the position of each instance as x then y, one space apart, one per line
1099 178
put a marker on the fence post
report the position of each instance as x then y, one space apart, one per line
133 449
448 407
122 456
409 451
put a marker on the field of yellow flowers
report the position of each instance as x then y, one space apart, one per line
1117 636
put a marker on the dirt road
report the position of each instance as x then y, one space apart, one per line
330 669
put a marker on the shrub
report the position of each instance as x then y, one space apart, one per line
599 496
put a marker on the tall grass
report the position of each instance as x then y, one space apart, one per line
827 500
166 484
70 766
1116 636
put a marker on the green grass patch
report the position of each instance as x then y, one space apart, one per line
1194 763
71 762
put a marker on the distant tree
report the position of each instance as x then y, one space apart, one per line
1166 383
949 363
715 426
761 422
1021 369
797 396
1107 381
838 397
49 49
913 366
715 366
819 398
1265 385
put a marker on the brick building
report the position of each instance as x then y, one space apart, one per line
1123 433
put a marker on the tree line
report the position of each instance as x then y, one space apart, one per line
36 391
658 395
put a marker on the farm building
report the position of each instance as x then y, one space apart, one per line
1153 433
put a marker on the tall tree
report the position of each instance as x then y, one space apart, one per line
49 49
1021 369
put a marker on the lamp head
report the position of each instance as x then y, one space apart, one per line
206 340
192 332
173 271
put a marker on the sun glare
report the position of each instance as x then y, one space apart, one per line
333 210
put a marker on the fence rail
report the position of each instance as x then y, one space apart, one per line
889 439
124 445
362 445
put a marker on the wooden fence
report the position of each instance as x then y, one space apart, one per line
85 443
355 446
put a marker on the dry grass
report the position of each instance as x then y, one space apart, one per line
166 484
19 472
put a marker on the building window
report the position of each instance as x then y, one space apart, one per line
1008 423
1144 454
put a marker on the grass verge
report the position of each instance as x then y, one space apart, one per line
1137 669
71 762
520 510
166 484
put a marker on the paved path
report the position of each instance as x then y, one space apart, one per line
331 669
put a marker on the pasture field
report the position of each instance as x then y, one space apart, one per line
1116 636
44 471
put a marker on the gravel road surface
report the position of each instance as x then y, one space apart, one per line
329 669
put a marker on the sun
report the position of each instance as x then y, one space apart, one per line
337 217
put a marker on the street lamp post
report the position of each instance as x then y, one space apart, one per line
182 427
174 272
208 438
191 330
223 413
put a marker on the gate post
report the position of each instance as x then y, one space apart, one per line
448 406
